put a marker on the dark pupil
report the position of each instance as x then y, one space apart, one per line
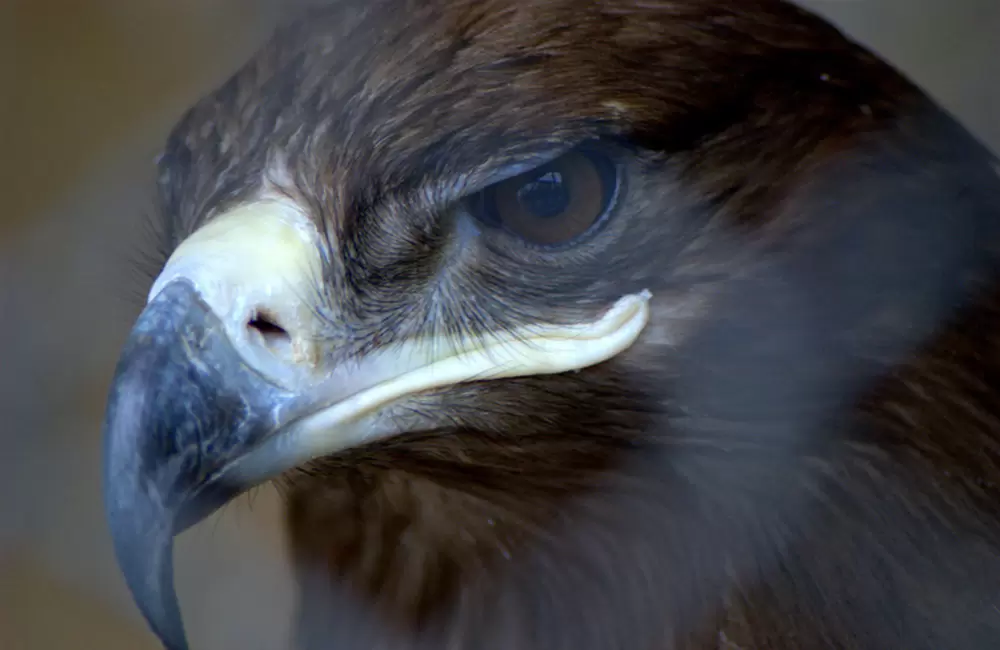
544 197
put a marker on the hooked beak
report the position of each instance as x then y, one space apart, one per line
204 405
183 406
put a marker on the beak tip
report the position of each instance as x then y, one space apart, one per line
142 530
143 544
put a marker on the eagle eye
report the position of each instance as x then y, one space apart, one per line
553 204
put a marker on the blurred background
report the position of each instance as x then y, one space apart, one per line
90 89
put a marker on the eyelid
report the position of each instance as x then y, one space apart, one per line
533 162
501 174
541 158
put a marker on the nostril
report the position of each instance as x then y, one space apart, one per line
275 337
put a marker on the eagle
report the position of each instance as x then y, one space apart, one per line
575 324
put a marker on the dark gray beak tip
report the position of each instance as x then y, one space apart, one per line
147 564
141 526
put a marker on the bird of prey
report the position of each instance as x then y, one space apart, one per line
570 324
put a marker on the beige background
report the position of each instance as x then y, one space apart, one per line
89 89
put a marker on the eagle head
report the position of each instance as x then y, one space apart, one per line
451 273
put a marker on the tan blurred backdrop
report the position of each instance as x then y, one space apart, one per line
88 89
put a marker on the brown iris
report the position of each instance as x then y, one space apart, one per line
553 204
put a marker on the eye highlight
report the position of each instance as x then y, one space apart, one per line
553 204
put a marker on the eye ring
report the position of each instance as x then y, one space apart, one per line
556 205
